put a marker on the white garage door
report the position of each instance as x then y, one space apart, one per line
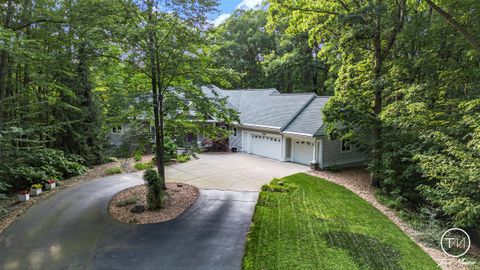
267 145
302 151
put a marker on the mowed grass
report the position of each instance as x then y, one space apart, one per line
321 225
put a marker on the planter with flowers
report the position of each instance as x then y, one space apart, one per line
50 184
24 196
36 189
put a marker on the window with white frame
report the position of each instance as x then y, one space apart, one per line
346 147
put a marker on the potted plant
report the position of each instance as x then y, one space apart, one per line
36 189
50 184
24 196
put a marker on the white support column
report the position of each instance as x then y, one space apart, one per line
284 148
314 163
320 154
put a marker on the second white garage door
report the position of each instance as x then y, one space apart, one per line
267 145
302 151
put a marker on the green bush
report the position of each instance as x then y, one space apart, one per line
156 195
36 186
113 170
38 165
137 156
170 150
183 158
143 166
278 185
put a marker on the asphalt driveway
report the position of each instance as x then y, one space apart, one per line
231 171
73 230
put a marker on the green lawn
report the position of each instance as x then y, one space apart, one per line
321 225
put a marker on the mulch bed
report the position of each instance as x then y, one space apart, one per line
178 198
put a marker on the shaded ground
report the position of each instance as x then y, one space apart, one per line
321 225
358 181
73 229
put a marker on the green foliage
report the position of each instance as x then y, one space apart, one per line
140 166
278 185
407 91
266 56
126 202
183 158
113 170
137 156
38 165
156 194
36 186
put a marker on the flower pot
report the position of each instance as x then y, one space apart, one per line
49 186
35 191
23 197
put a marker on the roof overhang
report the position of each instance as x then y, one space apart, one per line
259 127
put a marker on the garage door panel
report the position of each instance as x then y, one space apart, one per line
266 145
302 151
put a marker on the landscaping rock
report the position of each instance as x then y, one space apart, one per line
179 185
139 208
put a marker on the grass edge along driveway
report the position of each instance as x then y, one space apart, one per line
317 224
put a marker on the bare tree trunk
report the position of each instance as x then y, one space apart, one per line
456 25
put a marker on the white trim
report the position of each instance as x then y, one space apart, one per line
252 125
297 133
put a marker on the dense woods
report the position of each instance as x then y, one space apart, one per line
404 76
71 71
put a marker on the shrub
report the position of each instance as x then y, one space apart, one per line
137 155
126 202
36 186
113 170
38 165
154 183
143 166
183 158
278 185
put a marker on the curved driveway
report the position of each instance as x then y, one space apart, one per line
73 230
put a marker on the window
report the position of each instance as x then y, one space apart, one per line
117 129
223 127
234 131
346 147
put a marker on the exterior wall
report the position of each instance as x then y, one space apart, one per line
116 139
236 141
333 155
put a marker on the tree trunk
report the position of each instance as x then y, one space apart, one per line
456 25
157 102
377 108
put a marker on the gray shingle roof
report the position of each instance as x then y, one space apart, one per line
310 119
296 113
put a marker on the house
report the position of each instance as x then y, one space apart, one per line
286 127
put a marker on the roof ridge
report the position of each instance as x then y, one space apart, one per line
297 113
293 94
